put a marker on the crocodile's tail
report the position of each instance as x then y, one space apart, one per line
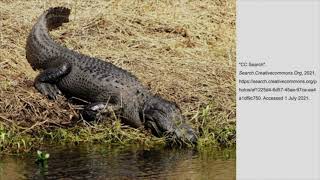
39 42
56 16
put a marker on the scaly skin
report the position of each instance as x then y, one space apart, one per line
98 82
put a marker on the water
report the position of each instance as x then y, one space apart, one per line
101 162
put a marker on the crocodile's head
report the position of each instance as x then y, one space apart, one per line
164 118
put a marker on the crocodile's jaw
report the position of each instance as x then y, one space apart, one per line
164 118
184 134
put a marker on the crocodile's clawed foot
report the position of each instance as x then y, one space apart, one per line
154 129
94 111
90 115
47 89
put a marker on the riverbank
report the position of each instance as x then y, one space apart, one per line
183 51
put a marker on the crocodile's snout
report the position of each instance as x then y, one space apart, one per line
184 134
164 118
179 135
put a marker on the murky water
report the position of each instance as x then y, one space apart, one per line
101 162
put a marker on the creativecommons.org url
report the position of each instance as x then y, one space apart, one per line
278 81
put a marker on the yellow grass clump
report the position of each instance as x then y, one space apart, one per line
183 50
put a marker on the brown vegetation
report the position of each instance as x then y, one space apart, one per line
182 50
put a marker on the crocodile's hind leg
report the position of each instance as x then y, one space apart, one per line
46 81
93 112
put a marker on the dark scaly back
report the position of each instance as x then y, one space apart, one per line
40 47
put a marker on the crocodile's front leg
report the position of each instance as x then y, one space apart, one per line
46 81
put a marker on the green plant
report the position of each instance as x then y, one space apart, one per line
42 157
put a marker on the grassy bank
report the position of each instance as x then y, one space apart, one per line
184 51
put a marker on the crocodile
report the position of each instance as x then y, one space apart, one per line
66 72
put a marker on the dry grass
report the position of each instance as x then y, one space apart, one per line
183 50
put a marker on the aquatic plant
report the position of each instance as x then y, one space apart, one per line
42 157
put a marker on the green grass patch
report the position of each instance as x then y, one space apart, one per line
214 131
